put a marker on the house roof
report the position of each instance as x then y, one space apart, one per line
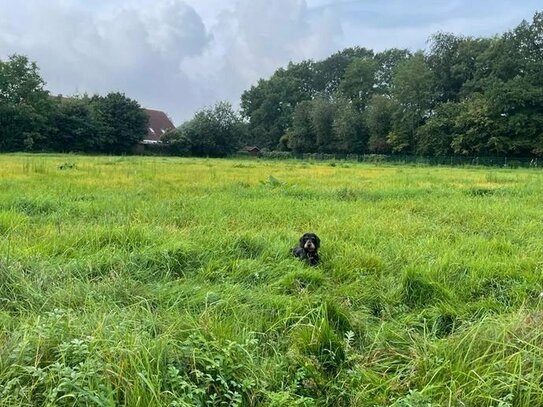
158 124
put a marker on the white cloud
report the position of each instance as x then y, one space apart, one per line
132 49
255 37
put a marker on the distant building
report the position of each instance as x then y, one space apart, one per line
251 150
158 124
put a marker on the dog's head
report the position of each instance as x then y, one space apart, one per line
310 242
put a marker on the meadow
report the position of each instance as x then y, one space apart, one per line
150 281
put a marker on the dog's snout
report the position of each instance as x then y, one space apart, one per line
309 245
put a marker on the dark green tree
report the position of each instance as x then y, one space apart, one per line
300 138
509 77
214 131
25 106
327 126
322 120
75 127
350 133
120 122
473 127
379 120
453 60
517 99
177 140
358 83
331 70
435 136
414 91
387 62
269 105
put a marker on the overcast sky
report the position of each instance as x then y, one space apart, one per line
179 56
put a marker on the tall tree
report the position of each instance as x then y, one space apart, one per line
121 122
358 83
435 136
24 106
331 71
379 120
387 61
75 127
413 89
322 118
473 127
269 105
214 131
442 60
510 79
349 131
301 138
453 60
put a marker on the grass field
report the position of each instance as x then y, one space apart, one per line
130 281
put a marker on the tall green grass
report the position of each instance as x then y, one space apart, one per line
165 281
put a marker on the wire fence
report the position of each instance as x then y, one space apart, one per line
504 162
486 161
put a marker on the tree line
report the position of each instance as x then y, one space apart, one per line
464 96
33 120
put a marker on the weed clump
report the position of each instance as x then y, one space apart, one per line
483 191
67 166
346 194
322 348
420 291
273 182
208 372
441 320
302 280
248 247
69 371
35 206
169 262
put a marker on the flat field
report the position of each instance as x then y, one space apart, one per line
145 281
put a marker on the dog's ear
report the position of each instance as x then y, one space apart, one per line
318 241
302 240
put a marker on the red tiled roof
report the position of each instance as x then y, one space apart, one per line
158 124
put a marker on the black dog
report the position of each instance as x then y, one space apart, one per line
308 249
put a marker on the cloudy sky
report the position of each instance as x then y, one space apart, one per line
181 55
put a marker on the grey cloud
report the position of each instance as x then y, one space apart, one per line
396 23
255 37
131 49
274 32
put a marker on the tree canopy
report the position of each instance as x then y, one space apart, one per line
214 131
25 105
